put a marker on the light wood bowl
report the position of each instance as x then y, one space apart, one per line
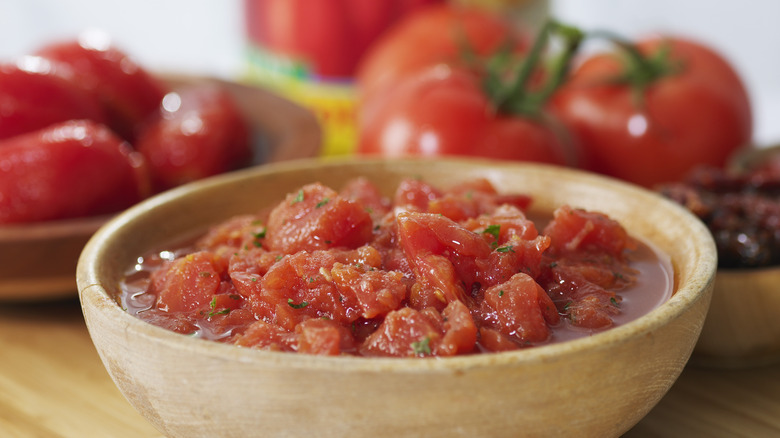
38 261
742 328
595 386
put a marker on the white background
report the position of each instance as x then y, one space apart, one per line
207 36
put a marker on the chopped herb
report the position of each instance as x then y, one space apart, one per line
614 301
221 312
567 305
213 306
322 203
260 234
204 274
553 264
422 347
618 275
234 296
507 248
292 304
257 244
494 230
279 257
311 279
299 197
254 279
501 293
369 210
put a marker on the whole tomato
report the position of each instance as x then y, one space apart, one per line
652 111
326 37
445 111
198 131
455 110
71 169
127 91
436 34
34 95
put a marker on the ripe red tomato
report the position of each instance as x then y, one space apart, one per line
33 96
127 91
444 111
696 111
327 37
436 34
197 132
68 170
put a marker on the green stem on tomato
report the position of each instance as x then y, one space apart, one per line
641 70
516 97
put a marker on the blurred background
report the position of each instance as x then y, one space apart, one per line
209 36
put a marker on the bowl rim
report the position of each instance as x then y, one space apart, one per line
684 296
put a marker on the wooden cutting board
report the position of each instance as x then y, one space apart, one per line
52 384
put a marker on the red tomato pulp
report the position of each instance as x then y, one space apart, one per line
432 273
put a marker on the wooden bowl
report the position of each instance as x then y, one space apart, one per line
742 328
38 261
595 386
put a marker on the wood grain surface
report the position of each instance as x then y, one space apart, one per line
52 384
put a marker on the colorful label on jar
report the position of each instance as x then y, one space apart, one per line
332 101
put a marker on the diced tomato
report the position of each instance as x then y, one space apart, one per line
460 331
377 291
415 195
364 192
329 276
520 309
404 333
244 231
585 303
324 337
578 230
261 334
316 217
186 283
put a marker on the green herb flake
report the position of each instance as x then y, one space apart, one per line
322 203
507 248
260 234
299 197
614 301
204 274
221 312
422 347
292 304
493 230
501 293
